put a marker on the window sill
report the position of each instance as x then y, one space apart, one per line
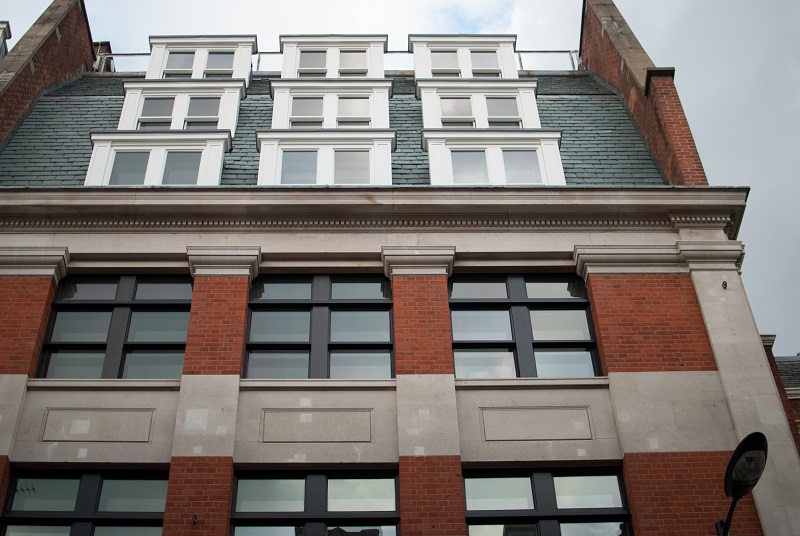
599 382
103 385
317 385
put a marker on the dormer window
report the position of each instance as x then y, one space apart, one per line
464 56
312 64
203 113
354 112
200 57
444 64
306 112
156 113
503 112
179 65
457 112
333 56
485 64
219 65
353 63
493 104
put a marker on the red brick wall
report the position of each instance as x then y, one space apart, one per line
649 323
683 493
422 336
202 487
431 496
24 312
217 324
790 407
56 60
659 114
5 473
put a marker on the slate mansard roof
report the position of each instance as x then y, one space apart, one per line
600 144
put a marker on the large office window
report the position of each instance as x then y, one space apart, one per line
336 504
320 327
130 327
521 326
527 503
75 504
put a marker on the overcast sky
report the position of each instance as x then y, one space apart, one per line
736 71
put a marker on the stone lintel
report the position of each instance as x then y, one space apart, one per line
44 262
418 260
712 254
224 261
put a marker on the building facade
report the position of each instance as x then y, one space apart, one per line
340 299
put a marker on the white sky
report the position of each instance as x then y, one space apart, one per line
736 72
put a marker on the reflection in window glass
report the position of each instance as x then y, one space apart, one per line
290 290
181 168
307 106
75 364
158 326
479 290
359 290
522 167
299 167
481 325
560 325
514 493
469 167
280 326
278 365
456 107
601 491
220 60
268 531
444 60
484 60
502 107
157 107
351 167
129 168
271 495
45 494
593 529
81 326
554 289
360 365
163 290
563 363
353 59
372 530
21 530
485 364
502 530
180 60
133 496
203 107
354 107
312 59
75 289
153 365
361 495
360 326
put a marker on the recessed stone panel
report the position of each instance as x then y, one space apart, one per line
317 426
535 424
112 425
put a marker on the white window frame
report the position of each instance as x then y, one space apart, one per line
440 144
107 144
243 47
379 143
431 92
505 46
283 91
373 45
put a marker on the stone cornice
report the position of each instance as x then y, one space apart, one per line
224 261
418 260
44 262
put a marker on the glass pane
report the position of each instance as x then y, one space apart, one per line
502 530
84 364
133 496
180 60
76 289
129 169
498 493
203 107
278 365
351 167
271 495
163 290
19 530
45 494
522 167
280 326
220 60
127 531
502 107
308 107
154 125
201 125
353 59
181 168
593 529
354 107
444 60
268 531
299 167
153 364
554 289
361 365
294 290
361 495
600 491
312 60
158 326
456 107
560 325
373 530
360 326
481 326
469 167
359 290
479 289
157 107
484 60
81 326
563 363
485 364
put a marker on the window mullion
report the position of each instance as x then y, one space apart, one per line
316 495
523 341
320 333
88 495
81 528
544 493
117 332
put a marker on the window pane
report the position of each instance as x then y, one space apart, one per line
180 60
75 289
312 59
498 493
81 326
351 167
593 529
127 531
373 530
133 496
481 326
484 60
295 290
587 491
361 365
479 289
220 60
181 168
203 106
359 290
19 530
158 326
45 494
444 60
360 326
163 290
522 167
354 107
268 531
157 107
75 364
554 289
280 326
353 59
502 530
456 107
563 363
502 107
307 107
485 364
560 325
361 495
129 169
201 125
271 495
299 167
278 365
469 167
153 364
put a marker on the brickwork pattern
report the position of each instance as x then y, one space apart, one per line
422 335
217 323
790 407
431 496
24 312
649 322
682 493
203 487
